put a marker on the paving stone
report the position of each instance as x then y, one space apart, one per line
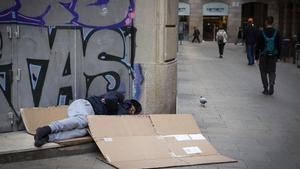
256 125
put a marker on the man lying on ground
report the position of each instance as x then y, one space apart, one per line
111 103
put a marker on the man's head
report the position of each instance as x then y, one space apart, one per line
269 20
250 20
135 107
222 26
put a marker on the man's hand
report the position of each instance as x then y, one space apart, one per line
103 100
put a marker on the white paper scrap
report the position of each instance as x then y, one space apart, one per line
197 137
182 137
192 150
107 139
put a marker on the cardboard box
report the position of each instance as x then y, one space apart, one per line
40 116
152 141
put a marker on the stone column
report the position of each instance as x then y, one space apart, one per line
196 19
156 23
234 20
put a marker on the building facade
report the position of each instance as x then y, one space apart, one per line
208 15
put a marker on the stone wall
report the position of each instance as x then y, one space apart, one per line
157 50
54 52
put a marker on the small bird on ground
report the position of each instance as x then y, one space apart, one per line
203 101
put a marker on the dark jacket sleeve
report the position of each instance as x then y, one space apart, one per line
259 45
112 99
277 44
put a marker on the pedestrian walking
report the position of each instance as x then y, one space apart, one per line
240 37
196 35
180 32
269 52
111 103
251 38
221 38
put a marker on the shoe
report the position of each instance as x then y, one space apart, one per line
265 92
42 132
40 142
271 90
221 56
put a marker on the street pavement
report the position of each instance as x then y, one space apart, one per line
261 132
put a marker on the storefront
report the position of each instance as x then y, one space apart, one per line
208 15
215 15
183 20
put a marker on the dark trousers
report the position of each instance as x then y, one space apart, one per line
267 67
196 38
250 54
221 48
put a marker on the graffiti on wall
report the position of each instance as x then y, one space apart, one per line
65 96
106 9
37 73
6 81
1 45
112 18
112 78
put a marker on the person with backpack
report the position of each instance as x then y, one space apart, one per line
268 46
221 38
251 36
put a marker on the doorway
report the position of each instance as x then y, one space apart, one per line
211 25
183 27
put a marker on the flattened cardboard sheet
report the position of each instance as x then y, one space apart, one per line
40 116
152 141
173 162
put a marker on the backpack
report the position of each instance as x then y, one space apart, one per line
270 45
220 38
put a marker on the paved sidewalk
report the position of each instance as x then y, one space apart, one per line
261 132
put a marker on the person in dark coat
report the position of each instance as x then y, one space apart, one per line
268 47
196 35
251 36
111 103
240 37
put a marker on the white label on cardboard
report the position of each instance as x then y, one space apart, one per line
192 150
197 137
108 139
177 156
182 137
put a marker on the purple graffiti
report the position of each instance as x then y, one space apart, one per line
71 6
99 3
13 15
1 45
102 4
